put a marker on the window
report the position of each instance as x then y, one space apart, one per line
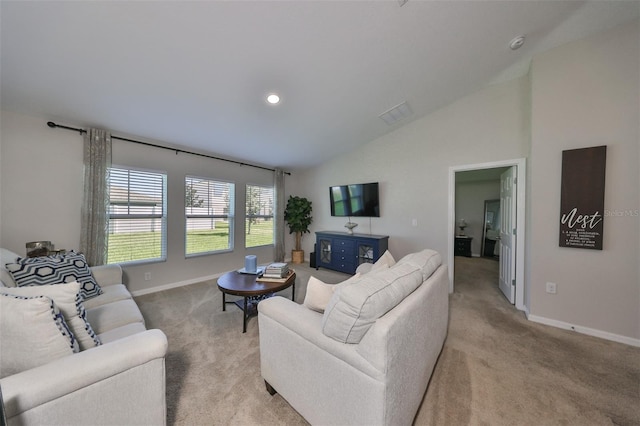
259 216
137 216
209 215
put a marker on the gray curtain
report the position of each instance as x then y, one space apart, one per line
278 184
95 202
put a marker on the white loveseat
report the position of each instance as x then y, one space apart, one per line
380 379
121 381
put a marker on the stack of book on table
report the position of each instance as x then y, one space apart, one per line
276 270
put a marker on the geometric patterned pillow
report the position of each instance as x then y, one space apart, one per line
33 333
58 269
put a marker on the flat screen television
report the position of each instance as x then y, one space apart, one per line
360 199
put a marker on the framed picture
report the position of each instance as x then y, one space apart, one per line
582 197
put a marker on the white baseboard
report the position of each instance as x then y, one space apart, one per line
586 330
181 283
174 285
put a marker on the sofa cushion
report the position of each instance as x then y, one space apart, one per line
111 293
122 332
319 293
426 260
68 299
113 315
57 269
33 332
353 309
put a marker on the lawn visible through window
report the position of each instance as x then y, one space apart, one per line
259 216
208 215
205 240
137 216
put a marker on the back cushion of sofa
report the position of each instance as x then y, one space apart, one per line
426 260
354 309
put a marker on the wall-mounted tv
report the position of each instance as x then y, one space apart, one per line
359 199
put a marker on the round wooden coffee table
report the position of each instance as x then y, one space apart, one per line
252 291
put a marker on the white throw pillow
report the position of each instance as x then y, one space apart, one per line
319 293
7 256
385 260
32 333
68 299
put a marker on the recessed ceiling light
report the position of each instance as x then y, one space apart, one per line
516 43
273 99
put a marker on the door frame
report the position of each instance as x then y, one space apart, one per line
521 174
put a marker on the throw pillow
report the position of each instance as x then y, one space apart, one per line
385 260
68 299
7 256
33 332
54 270
319 293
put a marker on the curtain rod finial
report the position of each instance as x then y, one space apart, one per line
51 124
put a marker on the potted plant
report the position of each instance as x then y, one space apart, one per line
298 216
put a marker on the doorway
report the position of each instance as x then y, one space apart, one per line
516 267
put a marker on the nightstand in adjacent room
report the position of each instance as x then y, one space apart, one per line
463 246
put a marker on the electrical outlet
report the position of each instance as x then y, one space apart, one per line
414 222
551 288
147 276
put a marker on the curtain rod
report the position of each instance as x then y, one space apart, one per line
177 151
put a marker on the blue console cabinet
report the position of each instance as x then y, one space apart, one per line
344 252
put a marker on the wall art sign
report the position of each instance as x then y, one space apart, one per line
582 197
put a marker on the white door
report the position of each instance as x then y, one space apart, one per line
508 225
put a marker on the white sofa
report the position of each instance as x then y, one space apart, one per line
380 380
121 381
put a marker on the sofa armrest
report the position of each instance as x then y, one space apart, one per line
85 378
106 275
307 324
326 381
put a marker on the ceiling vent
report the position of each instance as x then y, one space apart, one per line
397 113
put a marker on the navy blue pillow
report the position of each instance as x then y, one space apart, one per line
58 269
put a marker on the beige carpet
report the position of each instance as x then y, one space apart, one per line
496 368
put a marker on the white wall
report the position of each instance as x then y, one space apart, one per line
40 183
412 165
41 193
584 94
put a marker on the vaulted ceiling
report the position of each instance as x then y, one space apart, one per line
196 74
